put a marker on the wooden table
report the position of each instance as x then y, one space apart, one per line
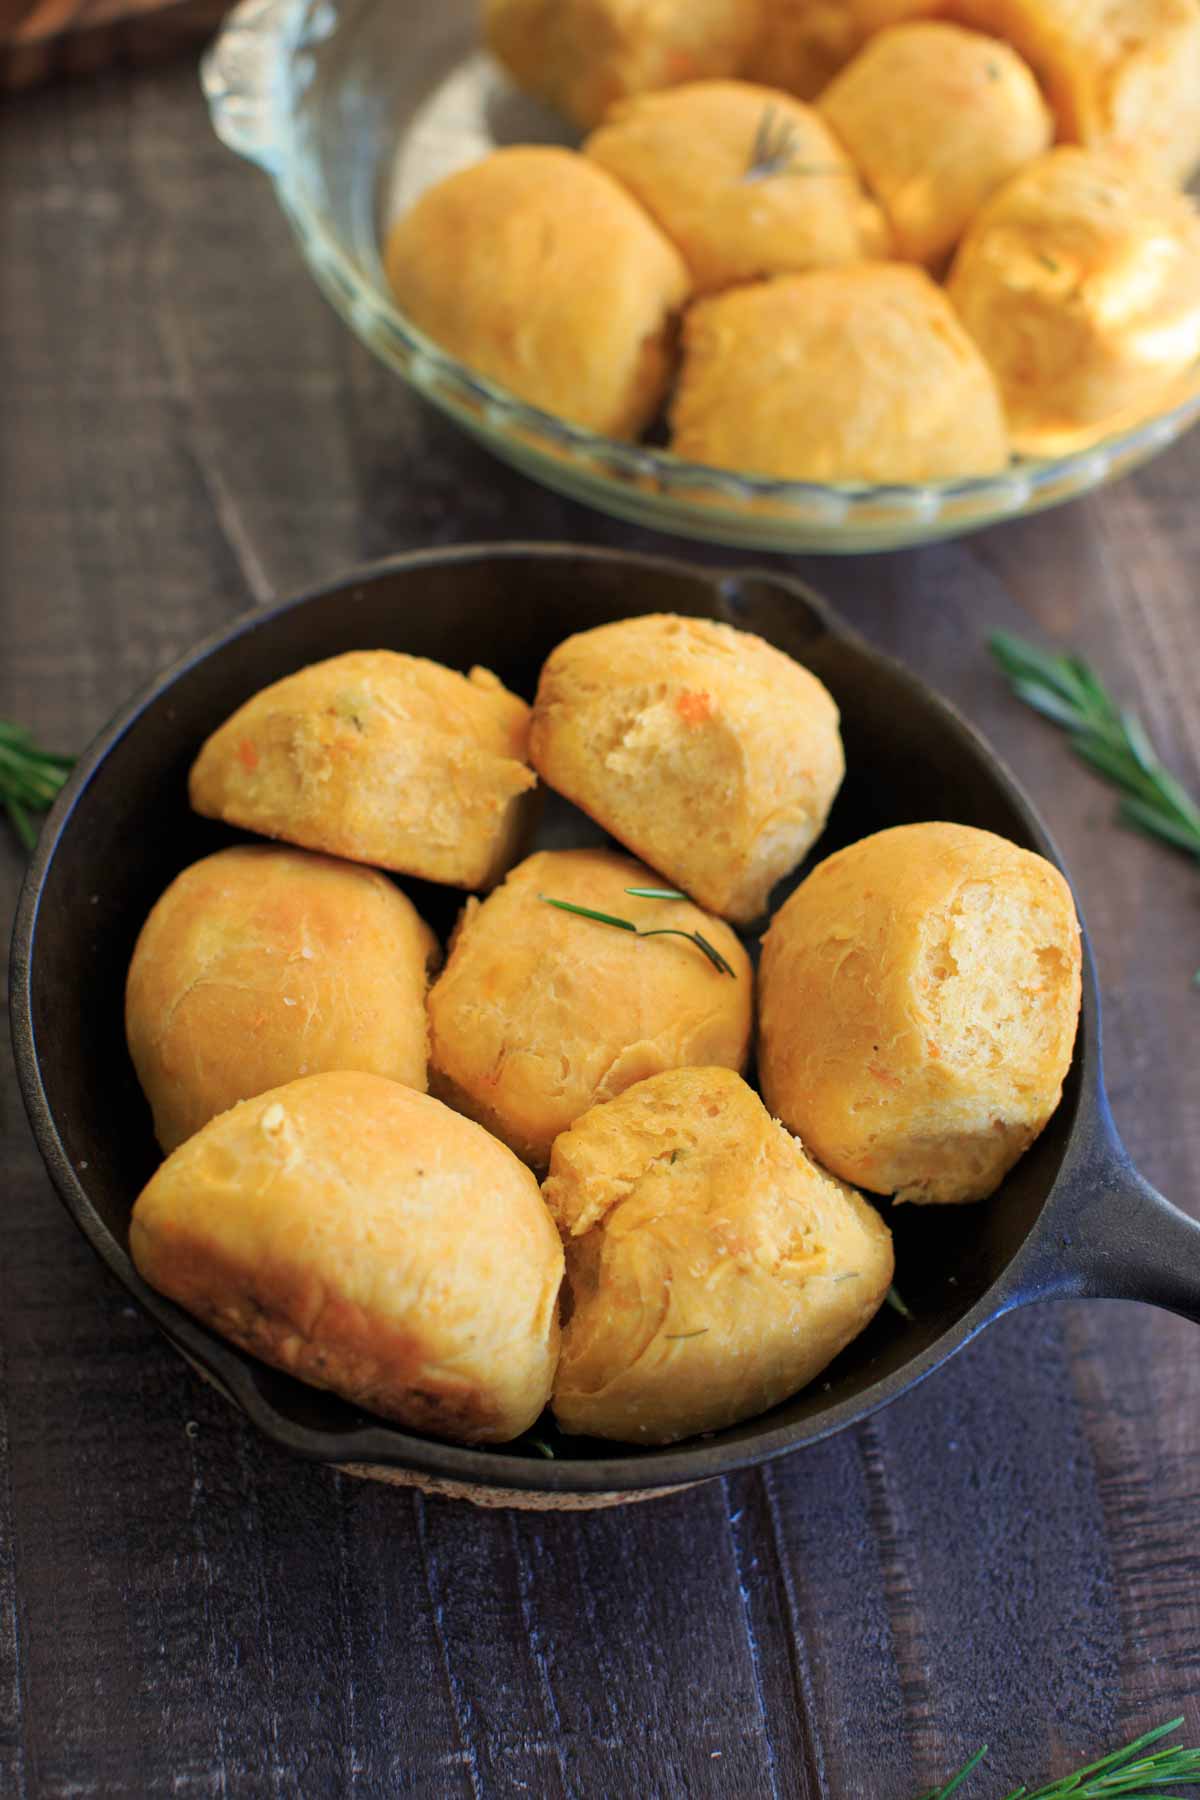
1009 1554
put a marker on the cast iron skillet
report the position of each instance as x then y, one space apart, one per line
1073 1217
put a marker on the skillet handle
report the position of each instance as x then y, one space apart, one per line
1117 1238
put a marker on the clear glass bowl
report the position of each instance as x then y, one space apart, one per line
354 106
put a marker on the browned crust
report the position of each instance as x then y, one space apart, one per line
377 1366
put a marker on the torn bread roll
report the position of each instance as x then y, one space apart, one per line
712 1268
919 995
381 758
706 751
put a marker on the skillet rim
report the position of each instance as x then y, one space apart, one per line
387 1446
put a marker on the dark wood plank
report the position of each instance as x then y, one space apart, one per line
1007 1553
45 39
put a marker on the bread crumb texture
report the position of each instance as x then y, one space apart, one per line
381 758
919 996
1080 282
712 1268
707 752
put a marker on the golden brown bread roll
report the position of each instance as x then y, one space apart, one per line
860 374
539 1013
1080 282
744 181
1120 74
936 118
583 55
365 1238
258 965
706 751
803 43
381 758
919 994
712 1269
537 270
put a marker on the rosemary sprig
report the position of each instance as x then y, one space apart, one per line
29 779
773 151
1126 1774
892 1298
586 912
1111 738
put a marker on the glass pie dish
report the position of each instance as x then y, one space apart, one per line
354 106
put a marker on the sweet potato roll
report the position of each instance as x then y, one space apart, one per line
365 1238
919 995
261 964
712 1268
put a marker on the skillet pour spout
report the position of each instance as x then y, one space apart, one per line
1072 1218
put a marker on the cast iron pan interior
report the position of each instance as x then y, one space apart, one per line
122 829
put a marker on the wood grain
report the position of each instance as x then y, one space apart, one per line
1008 1553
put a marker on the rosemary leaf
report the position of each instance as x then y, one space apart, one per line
1153 823
892 1299
714 955
956 1781
542 1447
587 912
710 950
656 893
1127 1774
773 151
1109 737
1048 702
694 937
29 780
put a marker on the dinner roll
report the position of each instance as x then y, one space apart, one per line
1120 74
582 55
709 753
919 995
712 1269
860 374
1080 282
260 964
537 270
802 44
381 758
365 1238
745 182
936 118
539 1013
